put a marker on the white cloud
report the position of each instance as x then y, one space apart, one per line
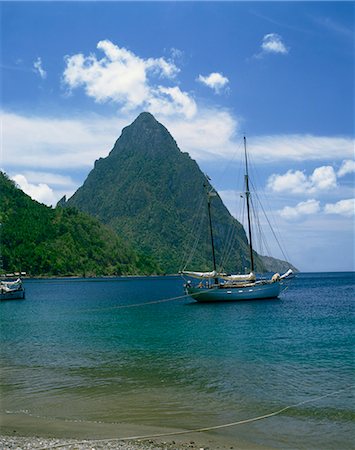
209 135
170 101
263 149
292 181
40 192
348 166
301 210
52 179
296 182
38 143
298 147
129 80
37 65
323 179
272 43
342 207
310 207
214 80
45 187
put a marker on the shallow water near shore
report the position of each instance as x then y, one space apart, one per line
91 353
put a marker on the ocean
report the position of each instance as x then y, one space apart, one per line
108 354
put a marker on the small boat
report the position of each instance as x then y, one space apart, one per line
12 290
217 286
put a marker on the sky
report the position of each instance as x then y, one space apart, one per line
73 74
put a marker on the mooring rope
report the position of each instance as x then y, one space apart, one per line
135 305
198 430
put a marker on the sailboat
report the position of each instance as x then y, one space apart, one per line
12 290
217 286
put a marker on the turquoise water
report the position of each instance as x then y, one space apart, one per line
79 350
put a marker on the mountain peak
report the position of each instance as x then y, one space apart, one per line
151 193
145 135
145 117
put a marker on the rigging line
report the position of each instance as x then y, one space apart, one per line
200 430
230 161
232 231
273 226
263 245
228 242
231 248
196 236
257 229
231 245
272 230
234 237
194 247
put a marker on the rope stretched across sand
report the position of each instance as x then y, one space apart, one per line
204 429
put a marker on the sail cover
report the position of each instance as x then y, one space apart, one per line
249 277
286 274
201 275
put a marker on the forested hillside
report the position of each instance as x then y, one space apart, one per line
62 241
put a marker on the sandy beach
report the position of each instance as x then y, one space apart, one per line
23 443
9 443
22 432
39 443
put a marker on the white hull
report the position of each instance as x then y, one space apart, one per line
11 290
257 291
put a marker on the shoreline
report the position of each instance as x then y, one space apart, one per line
42 443
98 277
19 431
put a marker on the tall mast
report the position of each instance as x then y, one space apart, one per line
247 195
209 195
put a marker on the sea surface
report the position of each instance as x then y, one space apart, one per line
137 351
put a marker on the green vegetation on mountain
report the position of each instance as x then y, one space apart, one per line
61 241
154 195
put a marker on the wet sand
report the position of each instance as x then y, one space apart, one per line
26 432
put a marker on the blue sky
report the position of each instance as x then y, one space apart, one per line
75 73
